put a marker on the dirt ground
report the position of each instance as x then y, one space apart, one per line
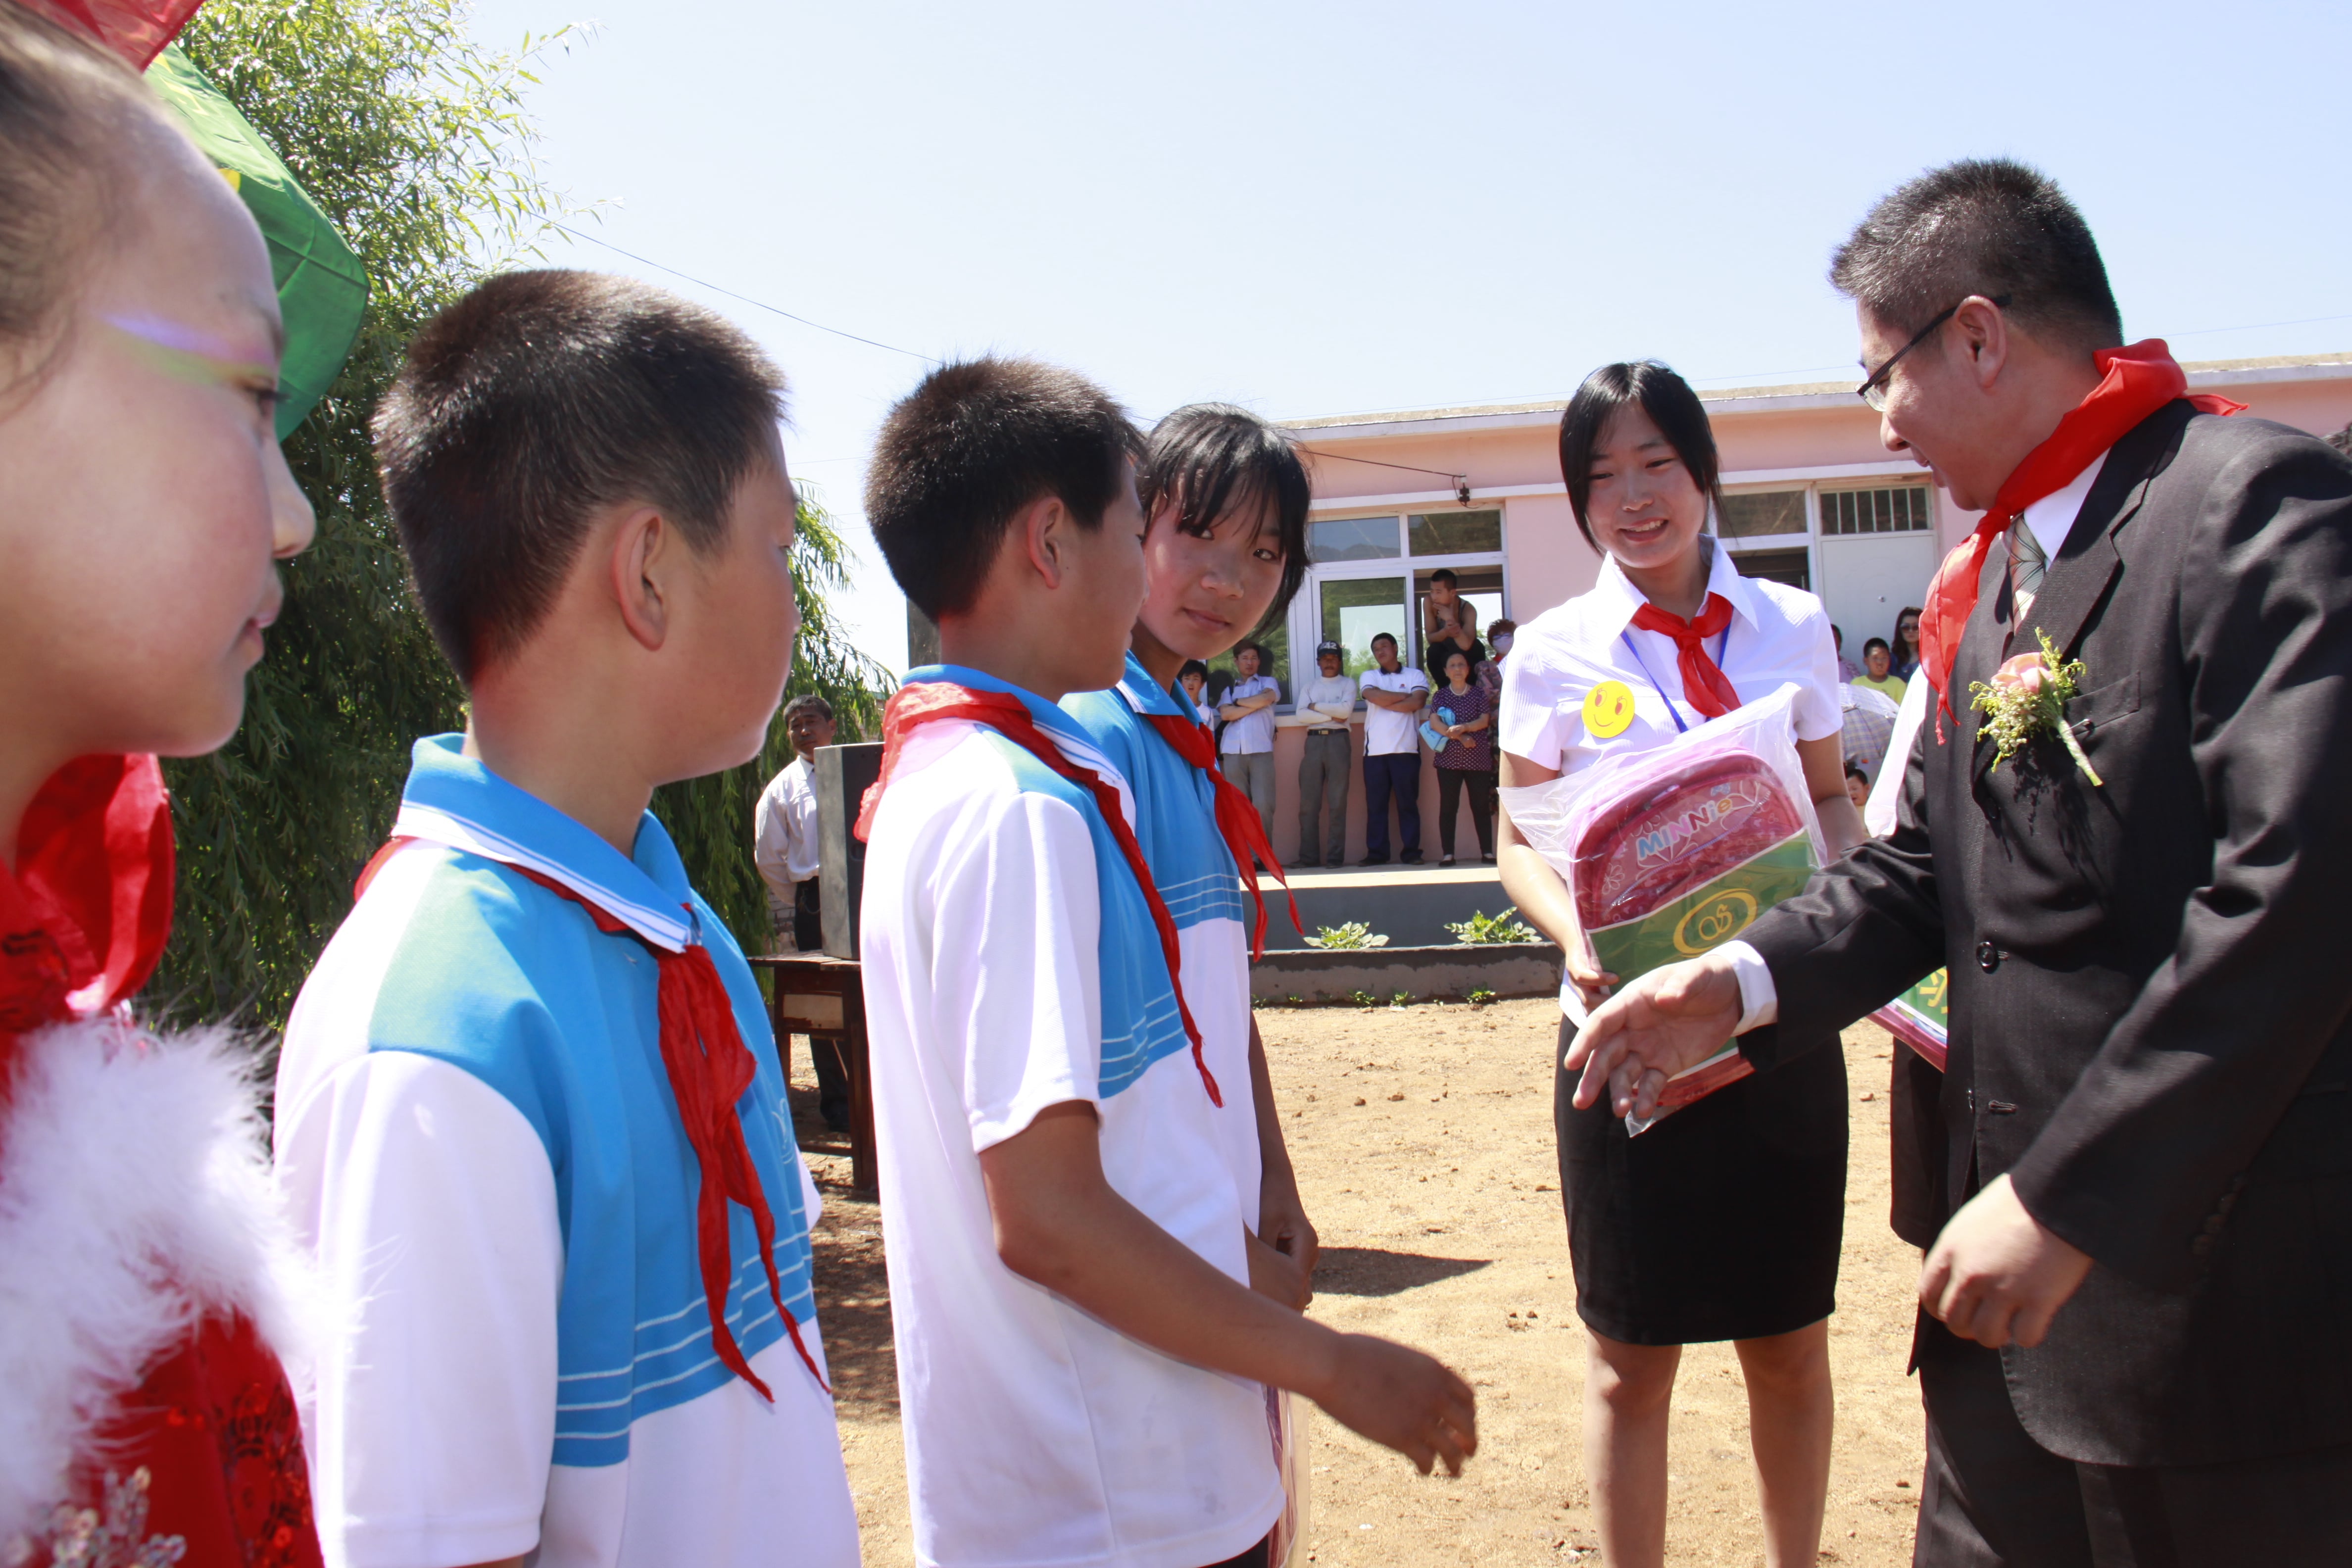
1423 1140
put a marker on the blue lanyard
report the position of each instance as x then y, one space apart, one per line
1626 637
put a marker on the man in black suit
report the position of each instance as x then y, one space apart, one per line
2136 1338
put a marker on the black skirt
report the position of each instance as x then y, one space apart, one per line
1721 1221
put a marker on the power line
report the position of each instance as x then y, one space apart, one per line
1461 481
760 304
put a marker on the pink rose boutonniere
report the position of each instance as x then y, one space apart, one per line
2027 699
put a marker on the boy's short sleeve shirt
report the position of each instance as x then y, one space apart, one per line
1035 1432
478 1146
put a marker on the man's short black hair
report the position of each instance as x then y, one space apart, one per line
1659 393
1208 458
974 443
1446 575
1982 225
538 398
1878 643
1379 637
808 702
1193 666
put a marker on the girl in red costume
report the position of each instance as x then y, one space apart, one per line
143 501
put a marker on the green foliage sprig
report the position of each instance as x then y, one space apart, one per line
2026 699
1354 934
1482 928
416 140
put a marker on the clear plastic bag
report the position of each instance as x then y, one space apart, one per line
1674 850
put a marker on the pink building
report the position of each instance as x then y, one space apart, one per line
1812 498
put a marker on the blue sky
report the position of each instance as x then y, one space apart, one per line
1321 208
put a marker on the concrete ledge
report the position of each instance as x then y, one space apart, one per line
1312 975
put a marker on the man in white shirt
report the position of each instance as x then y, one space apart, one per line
1326 702
1394 699
1246 751
786 845
787 853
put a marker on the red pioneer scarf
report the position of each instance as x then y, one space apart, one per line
2136 382
709 1067
928 702
1704 687
84 916
1237 819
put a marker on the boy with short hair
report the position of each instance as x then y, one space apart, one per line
1078 1345
529 1116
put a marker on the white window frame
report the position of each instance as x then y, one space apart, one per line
1306 622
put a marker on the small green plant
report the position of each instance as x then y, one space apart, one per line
1366 999
1481 998
1294 1001
1401 998
1501 928
1354 934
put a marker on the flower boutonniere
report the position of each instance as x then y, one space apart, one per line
2027 699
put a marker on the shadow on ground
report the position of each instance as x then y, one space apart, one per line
1370 1272
853 1286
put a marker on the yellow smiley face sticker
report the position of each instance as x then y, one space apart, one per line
1608 708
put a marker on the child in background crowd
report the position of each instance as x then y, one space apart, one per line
1224 549
1194 679
1078 1347
1877 675
144 1418
529 1112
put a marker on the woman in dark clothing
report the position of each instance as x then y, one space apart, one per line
1468 757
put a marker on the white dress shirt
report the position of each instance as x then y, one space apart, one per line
1778 635
786 846
1386 732
2051 518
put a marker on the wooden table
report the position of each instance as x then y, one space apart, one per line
823 998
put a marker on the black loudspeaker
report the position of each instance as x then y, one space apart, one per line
843 773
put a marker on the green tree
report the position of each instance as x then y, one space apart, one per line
413 139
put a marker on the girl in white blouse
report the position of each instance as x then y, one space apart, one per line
1722 1221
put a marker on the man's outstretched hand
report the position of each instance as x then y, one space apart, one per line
1995 1275
1663 1023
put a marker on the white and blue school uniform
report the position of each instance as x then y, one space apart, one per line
1011 963
479 1147
1176 824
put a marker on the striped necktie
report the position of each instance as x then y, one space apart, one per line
2027 566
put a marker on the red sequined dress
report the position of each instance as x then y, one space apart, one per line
146 1417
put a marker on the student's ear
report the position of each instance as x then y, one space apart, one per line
1045 527
642 549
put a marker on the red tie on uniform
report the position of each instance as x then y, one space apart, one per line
2136 382
709 1067
1237 819
930 701
1704 687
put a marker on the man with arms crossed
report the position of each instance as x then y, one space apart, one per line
2134 1179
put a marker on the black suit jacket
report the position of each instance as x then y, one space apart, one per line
2151 982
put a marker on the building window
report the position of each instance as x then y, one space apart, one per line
1903 510
1456 533
1792 567
1759 514
1351 539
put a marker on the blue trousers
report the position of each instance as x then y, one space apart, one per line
1398 773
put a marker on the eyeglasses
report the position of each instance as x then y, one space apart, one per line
1874 391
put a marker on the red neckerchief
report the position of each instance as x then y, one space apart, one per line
931 700
137 30
1704 687
84 916
2135 382
1237 819
709 1067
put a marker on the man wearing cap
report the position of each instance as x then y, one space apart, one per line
1325 703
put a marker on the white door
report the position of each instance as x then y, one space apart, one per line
1868 579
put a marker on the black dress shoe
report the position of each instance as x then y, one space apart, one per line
1410 858
1373 860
